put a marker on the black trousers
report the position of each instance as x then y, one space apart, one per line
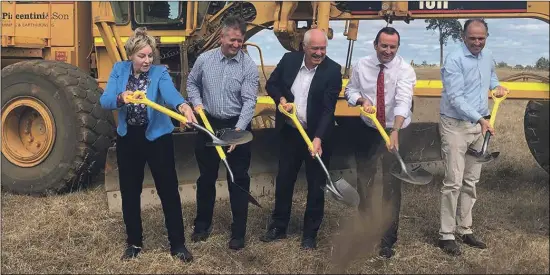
209 162
370 149
294 151
133 151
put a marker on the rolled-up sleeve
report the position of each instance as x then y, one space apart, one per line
194 82
404 93
453 82
249 95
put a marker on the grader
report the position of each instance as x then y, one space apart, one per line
57 57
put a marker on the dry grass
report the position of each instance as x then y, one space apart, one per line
75 233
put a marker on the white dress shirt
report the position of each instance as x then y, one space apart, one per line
300 90
399 81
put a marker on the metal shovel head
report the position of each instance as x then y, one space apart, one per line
417 176
227 137
350 196
487 157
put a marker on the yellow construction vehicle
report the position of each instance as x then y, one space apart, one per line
57 57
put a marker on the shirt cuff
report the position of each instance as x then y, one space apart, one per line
401 111
353 99
196 102
241 125
119 101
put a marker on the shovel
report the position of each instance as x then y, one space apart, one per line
226 137
417 176
224 159
483 156
340 189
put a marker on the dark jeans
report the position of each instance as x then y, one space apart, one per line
370 149
133 151
293 151
209 162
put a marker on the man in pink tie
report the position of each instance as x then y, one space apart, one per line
384 80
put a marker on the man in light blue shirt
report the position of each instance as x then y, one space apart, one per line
467 75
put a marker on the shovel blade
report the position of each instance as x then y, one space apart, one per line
488 157
417 176
473 152
233 137
350 196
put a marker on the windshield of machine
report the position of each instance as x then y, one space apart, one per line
157 12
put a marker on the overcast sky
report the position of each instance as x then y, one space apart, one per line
514 41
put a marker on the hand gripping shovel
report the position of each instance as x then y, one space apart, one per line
483 156
417 176
340 189
224 159
228 137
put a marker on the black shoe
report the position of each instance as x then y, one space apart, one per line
182 253
309 243
470 240
201 235
273 234
236 243
450 247
131 252
386 252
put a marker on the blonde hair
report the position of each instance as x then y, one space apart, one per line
140 40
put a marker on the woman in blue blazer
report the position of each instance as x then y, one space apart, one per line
145 136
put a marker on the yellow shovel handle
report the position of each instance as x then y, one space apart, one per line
381 129
221 153
139 97
497 101
294 118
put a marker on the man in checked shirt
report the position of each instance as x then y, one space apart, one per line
224 83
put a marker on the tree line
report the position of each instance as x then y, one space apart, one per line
451 28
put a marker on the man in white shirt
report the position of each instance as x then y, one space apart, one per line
386 81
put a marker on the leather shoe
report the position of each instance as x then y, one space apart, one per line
131 252
386 252
273 234
182 253
470 240
200 235
236 243
309 243
450 247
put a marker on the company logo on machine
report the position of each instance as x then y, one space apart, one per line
32 19
35 15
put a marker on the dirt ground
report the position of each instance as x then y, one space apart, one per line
75 233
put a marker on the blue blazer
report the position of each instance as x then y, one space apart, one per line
160 89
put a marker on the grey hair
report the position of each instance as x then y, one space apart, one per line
307 37
139 40
234 22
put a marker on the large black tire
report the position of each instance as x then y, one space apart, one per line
536 126
84 131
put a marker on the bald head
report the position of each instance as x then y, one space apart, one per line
315 47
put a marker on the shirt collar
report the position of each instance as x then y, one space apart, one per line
237 57
468 53
388 65
304 65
